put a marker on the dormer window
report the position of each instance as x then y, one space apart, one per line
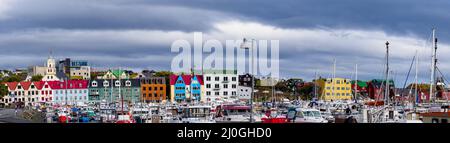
105 83
128 83
117 83
19 87
94 84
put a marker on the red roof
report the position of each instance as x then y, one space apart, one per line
39 84
12 85
25 84
186 79
71 84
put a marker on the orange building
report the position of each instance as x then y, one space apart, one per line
153 89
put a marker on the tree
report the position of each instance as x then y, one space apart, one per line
306 91
36 78
12 78
3 90
163 73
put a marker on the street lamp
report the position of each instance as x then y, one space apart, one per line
243 46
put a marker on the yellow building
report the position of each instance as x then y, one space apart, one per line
342 89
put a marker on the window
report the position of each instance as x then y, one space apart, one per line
233 79
208 93
105 83
208 78
155 88
225 78
225 86
233 93
117 83
233 86
338 88
338 94
225 93
128 83
217 93
328 94
94 84
328 88
160 88
208 85
216 86
217 78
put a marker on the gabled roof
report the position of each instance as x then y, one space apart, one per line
12 85
39 84
186 79
25 84
117 73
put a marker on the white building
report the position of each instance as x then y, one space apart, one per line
83 72
220 85
30 93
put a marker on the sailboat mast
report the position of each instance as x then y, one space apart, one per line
433 67
334 77
416 80
356 81
386 92
315 84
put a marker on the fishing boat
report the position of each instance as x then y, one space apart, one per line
196 114
233 113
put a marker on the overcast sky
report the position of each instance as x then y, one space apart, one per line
137 34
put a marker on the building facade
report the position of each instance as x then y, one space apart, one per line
335 89
112 90
69 92
30 93
153 89
376 89
220 85
83 72
186 88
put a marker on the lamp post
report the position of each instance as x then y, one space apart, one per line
243 46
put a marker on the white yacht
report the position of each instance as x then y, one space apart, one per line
305 115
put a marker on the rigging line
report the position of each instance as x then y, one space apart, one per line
407 76
443 77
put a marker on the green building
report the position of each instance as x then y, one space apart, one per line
103 90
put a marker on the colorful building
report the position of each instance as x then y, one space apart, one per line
335 89
112 90
186 88
69 92
376 89
30 93
361 87
153 89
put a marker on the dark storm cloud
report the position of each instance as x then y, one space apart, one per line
138 33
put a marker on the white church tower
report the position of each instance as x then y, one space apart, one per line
50 73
